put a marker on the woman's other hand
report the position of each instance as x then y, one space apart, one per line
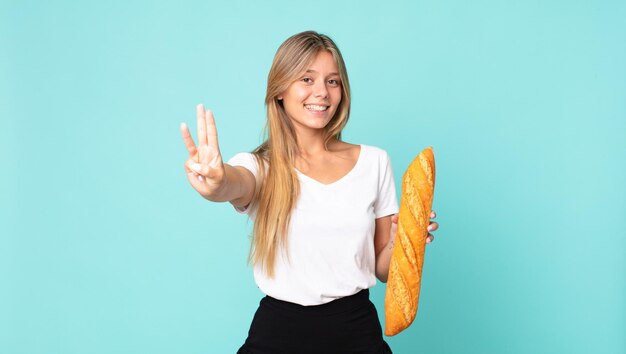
204 168
431 227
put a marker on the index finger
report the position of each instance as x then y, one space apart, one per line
189 144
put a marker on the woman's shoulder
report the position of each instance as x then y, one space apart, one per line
344 150
374 151
249 160
345 146
368 154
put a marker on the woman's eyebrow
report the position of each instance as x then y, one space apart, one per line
315 72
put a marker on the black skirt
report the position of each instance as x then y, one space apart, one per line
346 325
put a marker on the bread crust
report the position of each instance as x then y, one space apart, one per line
407 259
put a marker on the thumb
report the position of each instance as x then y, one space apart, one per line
194 166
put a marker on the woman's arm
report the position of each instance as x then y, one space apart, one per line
384 237
242 185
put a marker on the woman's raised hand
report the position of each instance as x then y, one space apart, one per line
205 169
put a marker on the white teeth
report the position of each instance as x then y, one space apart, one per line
313 107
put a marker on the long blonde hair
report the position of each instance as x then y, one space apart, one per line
280 188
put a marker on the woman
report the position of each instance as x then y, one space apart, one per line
322 208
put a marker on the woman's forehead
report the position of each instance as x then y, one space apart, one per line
324 62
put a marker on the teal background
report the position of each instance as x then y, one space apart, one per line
105 248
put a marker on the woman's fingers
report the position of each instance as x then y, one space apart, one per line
190 168
210 160
202 138
208 149
204 168
211 130
193 166
431 227
189 144
207 163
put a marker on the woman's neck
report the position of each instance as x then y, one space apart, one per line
311 142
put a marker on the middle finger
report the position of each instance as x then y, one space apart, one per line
202 139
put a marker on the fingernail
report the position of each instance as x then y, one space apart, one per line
196 167
200 178
429 228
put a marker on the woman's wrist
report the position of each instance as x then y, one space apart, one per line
390 245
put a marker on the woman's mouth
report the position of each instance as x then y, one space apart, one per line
315 107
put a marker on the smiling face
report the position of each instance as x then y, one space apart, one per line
312 100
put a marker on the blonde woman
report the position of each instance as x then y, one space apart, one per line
322 208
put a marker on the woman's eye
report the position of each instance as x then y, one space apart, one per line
308 80
333 82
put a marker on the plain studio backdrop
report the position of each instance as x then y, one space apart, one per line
105 248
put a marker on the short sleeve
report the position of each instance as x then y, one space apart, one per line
245 159
386 201
248 161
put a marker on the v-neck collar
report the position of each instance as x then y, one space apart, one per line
358 160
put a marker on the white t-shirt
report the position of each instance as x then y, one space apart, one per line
331 234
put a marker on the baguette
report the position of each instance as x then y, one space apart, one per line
407 259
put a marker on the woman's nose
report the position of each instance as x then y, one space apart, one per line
320 89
